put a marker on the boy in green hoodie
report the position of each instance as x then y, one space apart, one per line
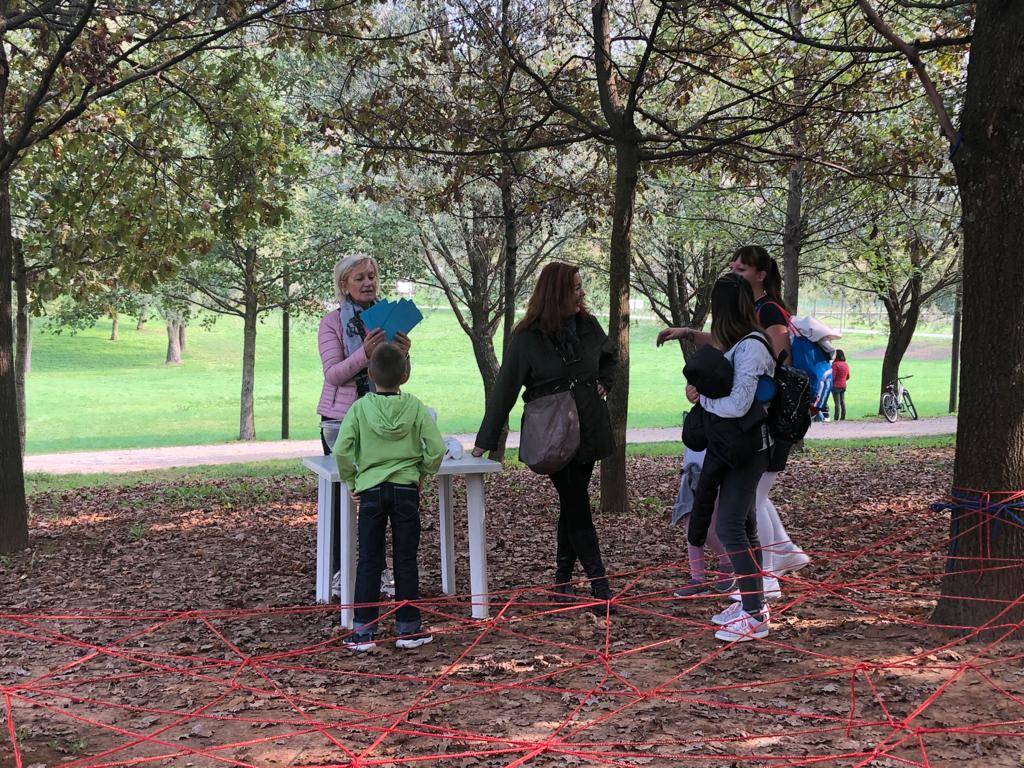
388 442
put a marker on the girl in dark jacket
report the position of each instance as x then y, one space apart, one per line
556 343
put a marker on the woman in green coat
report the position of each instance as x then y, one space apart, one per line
558 342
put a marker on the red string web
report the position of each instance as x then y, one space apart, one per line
851 674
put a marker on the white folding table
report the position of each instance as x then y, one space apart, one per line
329 483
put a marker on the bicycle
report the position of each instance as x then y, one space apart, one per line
896 398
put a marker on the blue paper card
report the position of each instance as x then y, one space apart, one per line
377 315
403 318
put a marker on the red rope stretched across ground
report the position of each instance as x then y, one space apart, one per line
540 683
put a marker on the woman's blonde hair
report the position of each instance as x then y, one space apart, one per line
345 266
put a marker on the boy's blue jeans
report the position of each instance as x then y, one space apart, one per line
401 505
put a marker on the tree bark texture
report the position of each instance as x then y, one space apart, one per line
113 324
141 323
247 422
954 363
793 230
181 334
902 325
13 511
510 254
23 338
613 468
984 583
174 325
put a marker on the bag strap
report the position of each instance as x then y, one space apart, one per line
785 314
777 360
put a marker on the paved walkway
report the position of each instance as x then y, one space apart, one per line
139 459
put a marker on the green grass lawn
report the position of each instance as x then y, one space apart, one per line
88 393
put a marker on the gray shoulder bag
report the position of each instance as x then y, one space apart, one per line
550 432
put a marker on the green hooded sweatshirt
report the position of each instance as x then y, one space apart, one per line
387 438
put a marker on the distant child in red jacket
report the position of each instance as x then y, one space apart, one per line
840 375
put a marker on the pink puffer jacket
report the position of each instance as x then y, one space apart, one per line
339 390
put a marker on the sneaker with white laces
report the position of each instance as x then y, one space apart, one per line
405 643
360 646
789 562
730 614
742 628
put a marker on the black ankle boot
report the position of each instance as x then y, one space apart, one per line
589 550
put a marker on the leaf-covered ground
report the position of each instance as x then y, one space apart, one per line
174 624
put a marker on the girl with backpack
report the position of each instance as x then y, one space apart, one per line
761 271
735 331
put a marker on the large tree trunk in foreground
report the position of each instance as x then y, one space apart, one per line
613 468
13 512
23 338
984 584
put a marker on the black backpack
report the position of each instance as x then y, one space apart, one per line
789 413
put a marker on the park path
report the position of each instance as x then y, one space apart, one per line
139 459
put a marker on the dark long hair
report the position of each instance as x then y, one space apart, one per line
553 298
840 356
757 257
732 311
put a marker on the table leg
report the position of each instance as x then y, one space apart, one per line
447 534
347 535
477 544
324 537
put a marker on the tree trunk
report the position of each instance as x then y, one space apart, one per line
954 366
793 231
285 358
990 429
246 422
173 340
141 323
902 324
510 254
181 334
487 363
613 468
113 324
23 338
13 511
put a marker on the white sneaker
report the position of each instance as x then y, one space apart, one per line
790 562
742 628
770 589
336 585
732 612
405 643
356 647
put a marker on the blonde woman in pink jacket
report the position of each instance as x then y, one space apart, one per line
345 345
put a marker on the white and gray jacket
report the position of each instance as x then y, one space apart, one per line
750 360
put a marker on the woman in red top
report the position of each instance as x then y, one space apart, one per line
840 375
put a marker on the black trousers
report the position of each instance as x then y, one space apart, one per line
839 400
399 505
736 525
577 536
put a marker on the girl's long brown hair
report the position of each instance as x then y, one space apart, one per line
553 298
732 311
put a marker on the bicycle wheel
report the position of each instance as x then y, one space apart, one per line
909 405
890 409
